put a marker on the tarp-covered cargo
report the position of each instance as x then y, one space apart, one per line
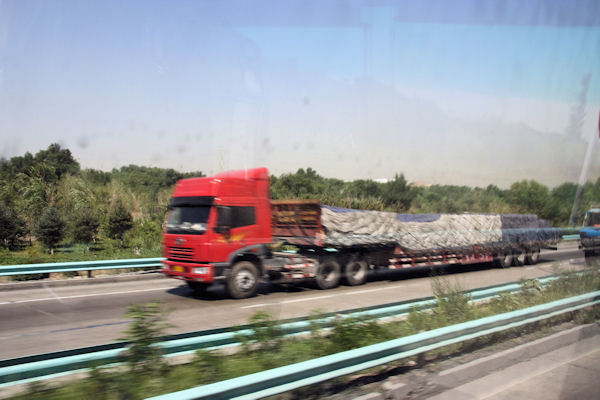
427 233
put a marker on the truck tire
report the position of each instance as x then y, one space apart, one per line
504 259
519 257
328 273
355 271
533 256
199 288
242 281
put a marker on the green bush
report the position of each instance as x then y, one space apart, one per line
351 333
265 333
209 365
146 329
452 306
50 228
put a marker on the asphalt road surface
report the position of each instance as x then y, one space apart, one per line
46 319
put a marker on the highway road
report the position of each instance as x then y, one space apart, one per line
49 319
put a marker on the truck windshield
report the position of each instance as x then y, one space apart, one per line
187 219
592 219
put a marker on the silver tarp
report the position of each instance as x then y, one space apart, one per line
434 233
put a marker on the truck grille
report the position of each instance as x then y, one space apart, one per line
180 253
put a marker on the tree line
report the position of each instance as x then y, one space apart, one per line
397 195
48 198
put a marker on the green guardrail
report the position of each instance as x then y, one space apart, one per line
283 379
24 269
49 365
45 268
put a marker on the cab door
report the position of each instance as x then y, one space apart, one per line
235 228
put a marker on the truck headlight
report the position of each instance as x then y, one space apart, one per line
201 270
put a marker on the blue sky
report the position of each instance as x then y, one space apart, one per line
354 89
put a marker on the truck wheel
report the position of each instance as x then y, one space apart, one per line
199 288
519 257
328 273
504 259
533 256
356 271
242 281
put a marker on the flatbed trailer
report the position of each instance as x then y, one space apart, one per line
299 222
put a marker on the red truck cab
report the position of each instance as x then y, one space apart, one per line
215 225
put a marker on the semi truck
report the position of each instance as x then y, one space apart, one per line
589 235
226 229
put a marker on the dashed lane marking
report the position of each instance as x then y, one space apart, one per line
83 295
354 292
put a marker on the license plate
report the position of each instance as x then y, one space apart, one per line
178 268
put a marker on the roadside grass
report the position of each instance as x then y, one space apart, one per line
266 347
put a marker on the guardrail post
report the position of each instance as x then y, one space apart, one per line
89 273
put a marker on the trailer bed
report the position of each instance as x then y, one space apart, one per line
308 223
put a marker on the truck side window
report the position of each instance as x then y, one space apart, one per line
224 218
242 216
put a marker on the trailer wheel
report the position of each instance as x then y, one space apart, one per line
328 273
356 271
504 259
199 288
533 256
242 281
519 257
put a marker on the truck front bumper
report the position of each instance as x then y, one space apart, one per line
195 272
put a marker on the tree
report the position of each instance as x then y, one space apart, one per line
529 197
59 159
32 197
398 194
12 227
301 185
561 202
149 179
49 228
49 165
85 226
97 177
119 221
591 195
16 165
364 188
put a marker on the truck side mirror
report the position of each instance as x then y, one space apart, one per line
223 220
